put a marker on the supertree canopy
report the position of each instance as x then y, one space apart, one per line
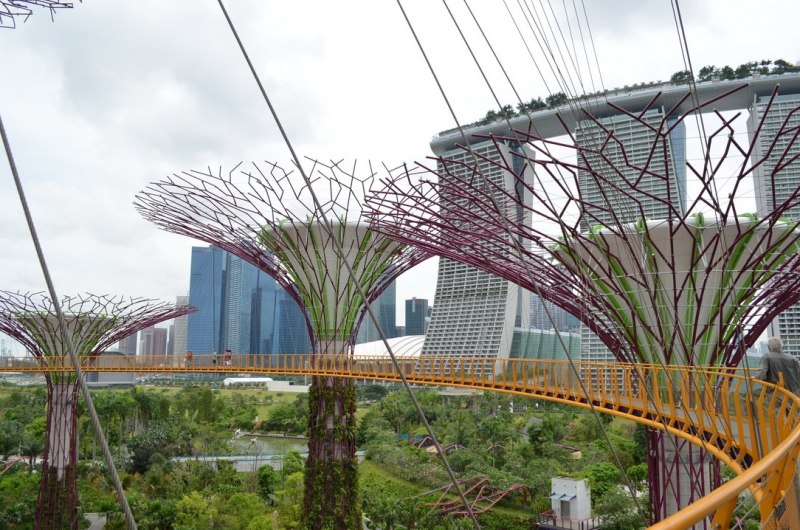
10 10
94 323
694 286
268 220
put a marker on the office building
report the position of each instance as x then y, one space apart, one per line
206 327
171 339
385 308
474 312
416 316
772 189
181 329
249 308
236 305
637 141
128 345
292 335
153 341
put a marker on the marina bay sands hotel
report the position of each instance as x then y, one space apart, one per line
476 314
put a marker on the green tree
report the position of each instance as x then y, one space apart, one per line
267 479
556 100
683 77
602 476
281 417
707 73
194 512
618 511
31 448
292 463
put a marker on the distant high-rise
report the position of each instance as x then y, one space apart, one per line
291 329
385 308
236 304
181 328
416 314
206 327
171 339
128 345
153 341
770 193
250 308
615 207
474 312
562 321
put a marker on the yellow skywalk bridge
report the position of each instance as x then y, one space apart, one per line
753 428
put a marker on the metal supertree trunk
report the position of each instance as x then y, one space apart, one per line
266 218
94 323
696 287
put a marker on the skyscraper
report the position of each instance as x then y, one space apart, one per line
770 193
207 287
636 139
128 345
236 304
181 328
250 308
474 313
416 311
291 331
385 308
153 341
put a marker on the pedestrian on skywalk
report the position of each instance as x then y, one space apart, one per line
775 362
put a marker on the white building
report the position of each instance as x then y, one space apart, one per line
786 181
474 312
571 499
181 324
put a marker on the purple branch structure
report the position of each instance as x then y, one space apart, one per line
266 216
10 10
94 323
695 286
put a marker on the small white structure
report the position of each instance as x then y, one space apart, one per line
571 498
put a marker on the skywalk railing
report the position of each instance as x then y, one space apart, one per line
754 428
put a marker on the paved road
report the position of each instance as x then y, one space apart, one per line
98 521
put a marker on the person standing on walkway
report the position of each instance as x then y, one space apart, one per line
775 362
228 356
189 358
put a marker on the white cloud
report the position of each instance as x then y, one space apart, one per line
114 95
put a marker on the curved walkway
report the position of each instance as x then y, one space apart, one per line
739 424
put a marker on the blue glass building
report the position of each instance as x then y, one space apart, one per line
207 287
235 301
250 308
291 331
385 308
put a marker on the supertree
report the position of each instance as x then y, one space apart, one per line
266 220
94 323
11 9
696 286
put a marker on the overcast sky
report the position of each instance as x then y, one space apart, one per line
115 94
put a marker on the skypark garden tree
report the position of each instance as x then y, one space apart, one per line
94 323
267 218
696 287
